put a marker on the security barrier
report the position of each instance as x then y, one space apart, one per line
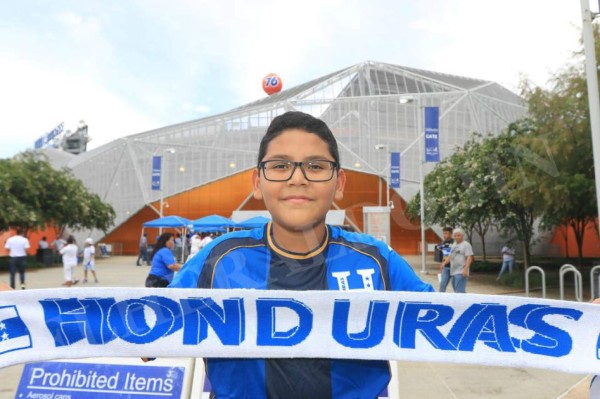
567 268
593 293
529 269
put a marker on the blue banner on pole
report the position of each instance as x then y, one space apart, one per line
395 170
432 134
156 172
101 381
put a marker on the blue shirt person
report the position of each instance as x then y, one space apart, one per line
164 264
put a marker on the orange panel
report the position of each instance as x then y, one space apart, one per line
591 242
34 237
220 197
224 196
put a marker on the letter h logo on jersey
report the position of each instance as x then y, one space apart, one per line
14 334
366 276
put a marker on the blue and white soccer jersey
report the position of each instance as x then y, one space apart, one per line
344 261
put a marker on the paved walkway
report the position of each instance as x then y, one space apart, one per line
416 380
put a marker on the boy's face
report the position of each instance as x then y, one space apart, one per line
447 235
298 204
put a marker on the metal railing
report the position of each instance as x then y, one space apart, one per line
539 269
592 286
567 268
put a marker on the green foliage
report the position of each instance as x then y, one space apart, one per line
36 196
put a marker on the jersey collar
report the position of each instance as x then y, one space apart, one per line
295 255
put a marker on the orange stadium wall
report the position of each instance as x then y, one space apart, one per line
224 196
34 237
591 242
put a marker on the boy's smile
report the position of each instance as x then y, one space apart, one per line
298 204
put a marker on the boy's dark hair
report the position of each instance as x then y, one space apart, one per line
448 229
299 120
71 240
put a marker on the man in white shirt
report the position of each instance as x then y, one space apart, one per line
17 246
43 244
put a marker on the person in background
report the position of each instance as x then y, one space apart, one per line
69 257
206 239
460 260
143 256
444 250
89 260
57 245
43 244
196 244
164 264
508 259
17 246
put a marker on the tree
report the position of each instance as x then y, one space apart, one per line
460 192
561 139
37 195
520 202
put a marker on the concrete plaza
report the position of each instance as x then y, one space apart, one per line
416 380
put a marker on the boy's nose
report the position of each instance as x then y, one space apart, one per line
298 177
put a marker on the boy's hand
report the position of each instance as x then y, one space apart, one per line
597 301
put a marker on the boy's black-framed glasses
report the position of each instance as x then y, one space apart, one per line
318 170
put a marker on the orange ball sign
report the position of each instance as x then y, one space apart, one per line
272 84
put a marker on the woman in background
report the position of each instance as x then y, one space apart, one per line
164 264
69 258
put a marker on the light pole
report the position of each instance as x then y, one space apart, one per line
418 140
592 86
387 176
162 183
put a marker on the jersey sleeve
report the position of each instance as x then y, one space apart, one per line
403 277
189 274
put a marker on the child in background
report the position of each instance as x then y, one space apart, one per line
88 260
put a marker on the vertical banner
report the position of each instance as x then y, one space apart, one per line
432 134
395 170
156 171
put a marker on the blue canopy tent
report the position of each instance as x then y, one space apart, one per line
171 221
211 222
168 221
253 223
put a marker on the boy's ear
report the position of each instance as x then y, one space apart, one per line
339 187
256 185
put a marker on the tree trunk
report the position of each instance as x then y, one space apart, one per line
564 230
578 227
526 254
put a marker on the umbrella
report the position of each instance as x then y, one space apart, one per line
255 222
168 221
212 221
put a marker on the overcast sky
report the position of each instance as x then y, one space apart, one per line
127 66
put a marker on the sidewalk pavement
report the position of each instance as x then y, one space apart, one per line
416 380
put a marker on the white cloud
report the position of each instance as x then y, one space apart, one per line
501 41
203 109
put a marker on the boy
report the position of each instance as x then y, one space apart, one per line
444 250
298 177
88 260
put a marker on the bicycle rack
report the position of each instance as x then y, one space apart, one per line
592 272
539 269
578 281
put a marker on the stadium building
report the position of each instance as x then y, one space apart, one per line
372 108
